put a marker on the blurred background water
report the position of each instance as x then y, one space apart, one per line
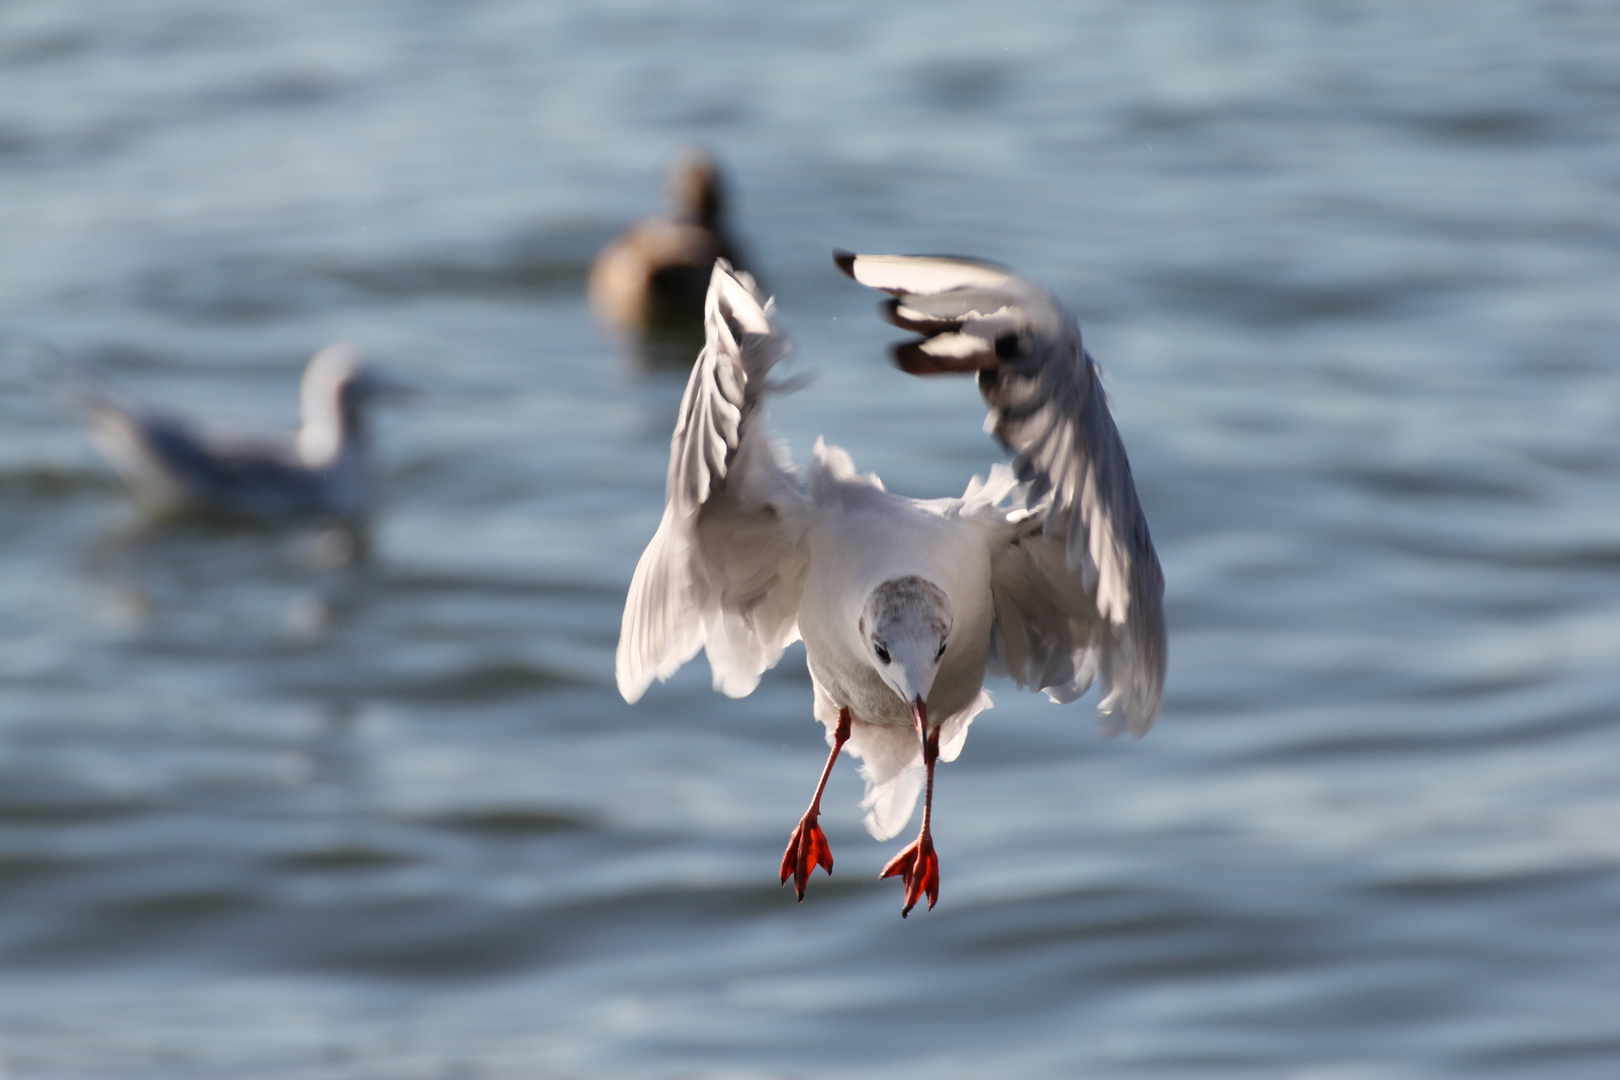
269 812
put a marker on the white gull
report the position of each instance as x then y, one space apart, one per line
173 466
1044 573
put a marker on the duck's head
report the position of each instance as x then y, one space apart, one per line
694 189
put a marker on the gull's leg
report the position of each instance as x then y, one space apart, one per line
807 844
917 865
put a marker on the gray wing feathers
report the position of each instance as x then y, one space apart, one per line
1051 635
724 572
1083 598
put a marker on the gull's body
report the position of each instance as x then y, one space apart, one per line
173 466
1045 572
860 536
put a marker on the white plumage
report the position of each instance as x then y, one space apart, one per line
1045 572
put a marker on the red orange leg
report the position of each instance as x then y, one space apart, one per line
807 844
917 865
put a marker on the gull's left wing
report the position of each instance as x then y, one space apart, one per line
1078 592
725 570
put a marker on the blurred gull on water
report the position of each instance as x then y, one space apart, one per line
173 466
1044 573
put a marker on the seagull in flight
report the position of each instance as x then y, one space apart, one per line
173 466
1043 573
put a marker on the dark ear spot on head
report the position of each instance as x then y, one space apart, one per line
1007 346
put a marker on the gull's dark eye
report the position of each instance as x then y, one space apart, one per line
882 653
940 653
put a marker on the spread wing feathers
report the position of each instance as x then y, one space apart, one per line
1050 634
1083 598
725 570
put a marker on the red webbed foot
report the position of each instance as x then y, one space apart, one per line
806 849
918 868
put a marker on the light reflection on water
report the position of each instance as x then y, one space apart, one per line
269 810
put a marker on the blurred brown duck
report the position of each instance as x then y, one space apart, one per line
651 280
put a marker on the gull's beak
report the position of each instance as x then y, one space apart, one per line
919 715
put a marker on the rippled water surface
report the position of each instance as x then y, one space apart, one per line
272 807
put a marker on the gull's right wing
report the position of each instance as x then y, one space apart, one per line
1081 596
725 570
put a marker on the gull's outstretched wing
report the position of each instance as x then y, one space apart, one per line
724 571
1081 596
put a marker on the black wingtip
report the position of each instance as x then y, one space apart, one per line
845 260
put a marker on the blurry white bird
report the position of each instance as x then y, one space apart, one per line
1044 573
172 466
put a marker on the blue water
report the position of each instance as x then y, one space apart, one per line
266 811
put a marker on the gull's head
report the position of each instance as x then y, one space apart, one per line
906 626
336 386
